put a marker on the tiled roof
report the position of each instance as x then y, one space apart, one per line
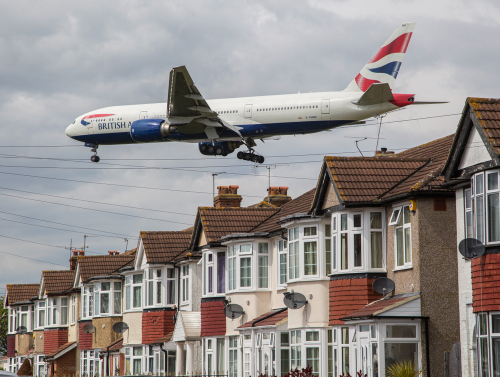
21 292
162 247
300 204
365 179
184 255
102 265
60 349
380 306
164 339
115 347
58 281
273 320
219 222
487 111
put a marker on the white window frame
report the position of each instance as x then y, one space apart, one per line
155 286
40 312
231 268
404 226
281 247
263 278
73 309
137 285
185 287
293 253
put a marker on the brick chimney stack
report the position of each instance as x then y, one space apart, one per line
74 258
227 197
277 196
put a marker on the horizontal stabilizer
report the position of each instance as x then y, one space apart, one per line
427 103
375 94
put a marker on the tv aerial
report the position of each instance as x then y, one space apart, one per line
233 311
89 328
22 330
384 286
120 327
294 300
471 248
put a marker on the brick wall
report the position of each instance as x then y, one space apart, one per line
11 345
84 339
53 339
66 364
349 294
486 283
213 320
156 323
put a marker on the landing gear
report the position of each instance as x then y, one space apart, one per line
251 156
95 157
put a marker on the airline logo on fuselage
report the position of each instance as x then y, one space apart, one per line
92 117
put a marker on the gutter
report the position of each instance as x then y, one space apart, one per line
268 316
104 277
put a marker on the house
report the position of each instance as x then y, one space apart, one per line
472 171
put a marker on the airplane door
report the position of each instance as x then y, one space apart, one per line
325 106
143 115
90 127
248 111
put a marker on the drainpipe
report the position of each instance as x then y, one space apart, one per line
108 352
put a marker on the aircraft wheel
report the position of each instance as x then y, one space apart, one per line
203 148
211 149
94 158
218 151
241 155
261 159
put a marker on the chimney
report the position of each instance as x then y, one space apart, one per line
74 259
113 252
277 196
227 196
383 152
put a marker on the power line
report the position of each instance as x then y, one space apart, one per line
91 201
36 260
96 210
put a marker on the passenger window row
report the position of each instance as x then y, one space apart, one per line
289 108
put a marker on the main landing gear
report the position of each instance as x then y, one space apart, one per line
95 157
251 156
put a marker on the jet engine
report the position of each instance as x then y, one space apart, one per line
150 130
220 148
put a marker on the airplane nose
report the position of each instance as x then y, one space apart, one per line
69 131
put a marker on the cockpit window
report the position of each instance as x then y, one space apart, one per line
74 121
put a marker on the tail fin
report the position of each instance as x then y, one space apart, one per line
383 67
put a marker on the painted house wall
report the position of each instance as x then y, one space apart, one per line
315 313
74 328
134 333
475 152
259 303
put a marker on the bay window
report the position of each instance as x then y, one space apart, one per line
40 315
185 282
344 245
246 272
263 268
100 299
293 253
137 290
170 286
376 253
282 251
154 286
231 260
328 248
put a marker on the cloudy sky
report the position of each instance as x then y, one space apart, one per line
60 59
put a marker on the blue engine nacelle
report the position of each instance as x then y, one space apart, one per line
150 130
219 148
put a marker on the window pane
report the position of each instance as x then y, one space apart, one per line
282 268
328 230
221 272
397 352
496 355
479 185
117 286
493 181
137 297
263 248
407 245
105 286
263 271
245 272
401 331
137 279
343 252
468 200
345 335
158 292
493 218
406 213
375 220
285 361
468 224
312 336
483 356
328 255
210 279
399 247
483 324
310 258
495 323
312 358
343 222
127 298
170 292
395 214
117 302
309 231
345 360
245 248
357 221
357 250
376 249
150 291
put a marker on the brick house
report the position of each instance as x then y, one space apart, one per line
472 170
21 334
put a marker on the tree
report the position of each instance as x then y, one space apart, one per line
3 327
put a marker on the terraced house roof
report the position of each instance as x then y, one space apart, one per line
163 247
21 292
219 222
487 111
102 265
57 282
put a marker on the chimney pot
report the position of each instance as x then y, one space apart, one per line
277 196
81 252
283 190
233 189
227 197
75 253
384 150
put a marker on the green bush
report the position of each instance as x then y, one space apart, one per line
404 368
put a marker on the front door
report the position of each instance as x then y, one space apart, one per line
325 106
248 111
364 355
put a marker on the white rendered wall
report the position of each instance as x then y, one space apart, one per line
475 152
134 334
315 312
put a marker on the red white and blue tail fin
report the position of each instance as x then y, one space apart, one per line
384 66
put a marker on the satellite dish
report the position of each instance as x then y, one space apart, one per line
88 328
471 248
233 311
294 300
384 286
120 327
22 330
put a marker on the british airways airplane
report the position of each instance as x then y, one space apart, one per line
221 126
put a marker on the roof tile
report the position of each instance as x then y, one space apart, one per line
21 292
163 247
57 282
102 265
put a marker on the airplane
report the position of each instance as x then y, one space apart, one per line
221 126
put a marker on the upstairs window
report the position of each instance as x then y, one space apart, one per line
263 269
328 248
185 282
281 246
293 253
137 290
344 245
231 260
170 286
40 305
376 253
402 235
154 287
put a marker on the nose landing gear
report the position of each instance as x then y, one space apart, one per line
95 157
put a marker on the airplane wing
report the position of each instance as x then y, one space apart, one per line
188 110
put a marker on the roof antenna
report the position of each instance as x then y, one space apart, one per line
213 182
357 141
380 118
268 167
